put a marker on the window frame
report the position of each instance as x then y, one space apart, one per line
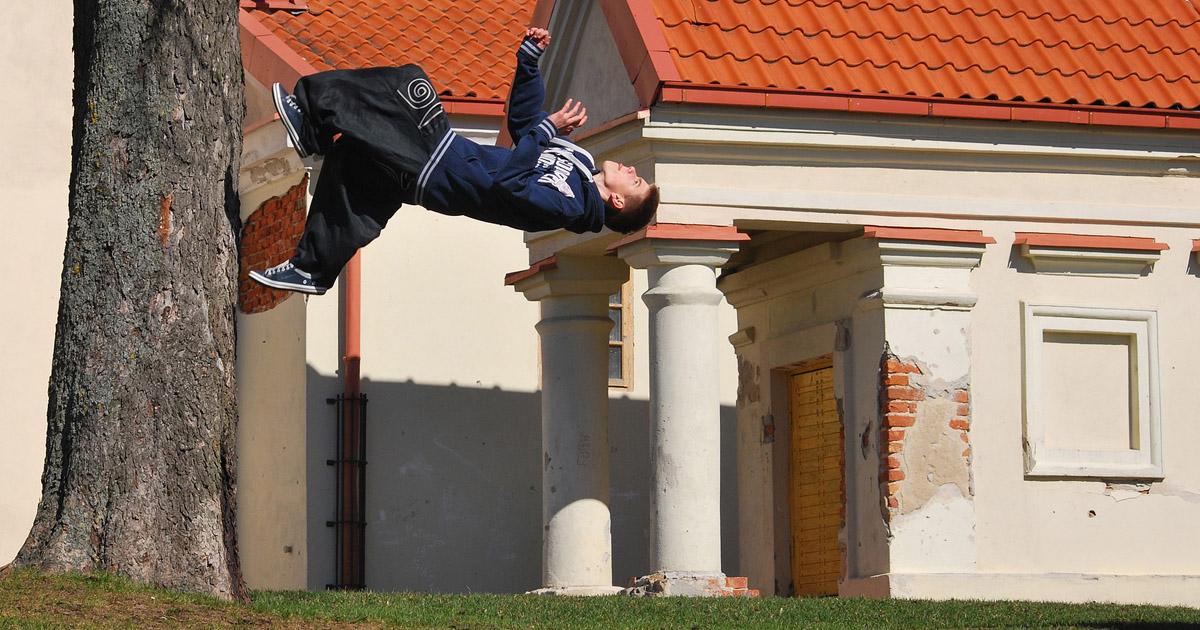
1141 326
626 342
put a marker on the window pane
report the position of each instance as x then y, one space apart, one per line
615 298
614 362
615 315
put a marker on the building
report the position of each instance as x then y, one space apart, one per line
960 242
913 322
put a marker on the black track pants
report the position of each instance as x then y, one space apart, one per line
377 128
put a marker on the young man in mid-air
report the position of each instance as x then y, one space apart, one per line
386 142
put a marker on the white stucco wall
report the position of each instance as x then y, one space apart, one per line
36 63
1116 539
1044 525
761 171
272 467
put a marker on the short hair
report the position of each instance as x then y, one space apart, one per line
635 216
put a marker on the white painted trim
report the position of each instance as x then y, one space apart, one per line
1160 590
731 127
774 278
929 254
266 158
651 252
926 299
706 202
742 338
1079 261
1142 325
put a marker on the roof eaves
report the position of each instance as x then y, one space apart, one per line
266 57
682 92
274 5
468 106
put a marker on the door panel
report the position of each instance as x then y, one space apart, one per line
816 485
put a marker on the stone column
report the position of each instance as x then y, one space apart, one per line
685 439
577 538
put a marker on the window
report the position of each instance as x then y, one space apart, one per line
1091 393
620 347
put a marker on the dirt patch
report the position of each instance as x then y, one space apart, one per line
101 601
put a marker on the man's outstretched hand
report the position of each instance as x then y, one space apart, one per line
540 36
569 117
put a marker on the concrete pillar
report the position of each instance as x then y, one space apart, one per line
920 474
685 445
272 344
577 543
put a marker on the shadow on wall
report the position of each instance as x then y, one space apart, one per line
454 487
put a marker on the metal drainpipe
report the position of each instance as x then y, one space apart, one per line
353 436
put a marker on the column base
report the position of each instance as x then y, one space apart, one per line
688 584
577 591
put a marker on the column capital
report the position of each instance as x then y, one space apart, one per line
677 244
929 247
926 268
567 275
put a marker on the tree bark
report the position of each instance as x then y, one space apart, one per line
140 465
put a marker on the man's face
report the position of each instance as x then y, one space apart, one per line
623 180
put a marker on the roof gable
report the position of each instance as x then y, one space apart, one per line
584 63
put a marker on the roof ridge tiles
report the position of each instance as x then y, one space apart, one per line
946 40
915 4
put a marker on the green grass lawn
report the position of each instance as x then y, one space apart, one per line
29 600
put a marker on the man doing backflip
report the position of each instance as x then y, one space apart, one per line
387 141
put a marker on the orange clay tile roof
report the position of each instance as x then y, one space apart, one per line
468 48
1132 53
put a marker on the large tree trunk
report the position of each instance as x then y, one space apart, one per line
140 462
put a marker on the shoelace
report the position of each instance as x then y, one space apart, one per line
291 102
280 268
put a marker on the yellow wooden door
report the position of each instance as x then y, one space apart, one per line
815 486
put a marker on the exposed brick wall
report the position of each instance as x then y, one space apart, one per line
901 394
269 237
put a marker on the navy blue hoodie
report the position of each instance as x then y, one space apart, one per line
543 183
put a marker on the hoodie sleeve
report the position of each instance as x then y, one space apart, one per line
541 206
528 94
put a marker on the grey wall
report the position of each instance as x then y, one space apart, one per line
454 487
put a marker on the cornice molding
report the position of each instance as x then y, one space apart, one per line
1089 255
775 98
568 276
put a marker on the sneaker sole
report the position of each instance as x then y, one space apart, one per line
277 94
286 286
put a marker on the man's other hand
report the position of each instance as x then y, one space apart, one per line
572 115
540 36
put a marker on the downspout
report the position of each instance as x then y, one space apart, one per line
353 438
